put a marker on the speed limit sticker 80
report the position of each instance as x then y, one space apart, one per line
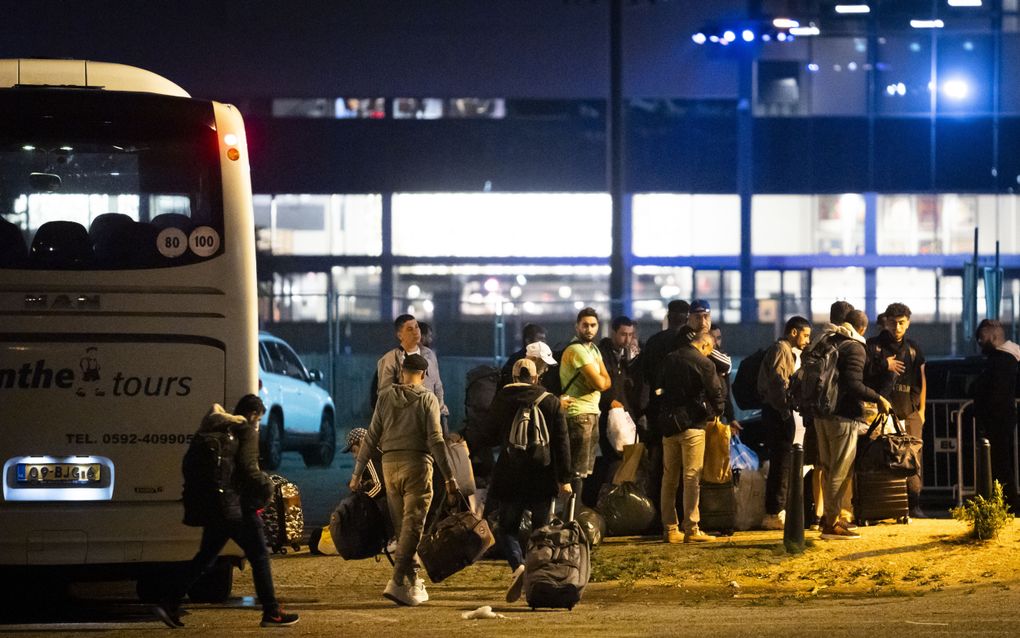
204 241
171 242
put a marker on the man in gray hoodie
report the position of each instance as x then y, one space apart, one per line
406 428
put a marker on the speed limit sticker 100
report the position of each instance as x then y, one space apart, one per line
204 241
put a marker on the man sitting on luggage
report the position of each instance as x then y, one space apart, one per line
372 478
533 464
405 427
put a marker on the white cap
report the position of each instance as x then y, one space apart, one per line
539 350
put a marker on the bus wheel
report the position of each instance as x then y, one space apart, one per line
215 585
323 453
272 448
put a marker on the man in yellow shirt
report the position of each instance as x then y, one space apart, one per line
584 378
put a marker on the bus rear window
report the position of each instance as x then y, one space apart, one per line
94 180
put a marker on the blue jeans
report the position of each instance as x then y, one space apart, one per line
250 535
510 515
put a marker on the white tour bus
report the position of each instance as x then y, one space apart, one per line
127 308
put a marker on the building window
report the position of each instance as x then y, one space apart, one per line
653 287
914 287
833 284
502 224
319 224
664 224
808 224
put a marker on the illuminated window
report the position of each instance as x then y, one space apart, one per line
942 224
653 287
502 224
664 225
807 224
319 224
536 292
833 284
914 287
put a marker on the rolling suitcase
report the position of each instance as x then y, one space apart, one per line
454 542
557 564
283 517
880 496
718 508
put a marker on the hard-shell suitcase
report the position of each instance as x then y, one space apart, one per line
283 517
557 565
880 496
454 542
718 508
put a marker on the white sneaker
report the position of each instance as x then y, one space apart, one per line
400 594
513 593
774 521
418 591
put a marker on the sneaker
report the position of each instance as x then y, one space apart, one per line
838 533
816 524
697 536
774 521
418 591
279 619
400 594
672 535
513 592
168 613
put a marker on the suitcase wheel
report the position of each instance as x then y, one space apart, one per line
903 520
296 547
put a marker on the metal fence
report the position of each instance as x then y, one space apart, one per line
950 450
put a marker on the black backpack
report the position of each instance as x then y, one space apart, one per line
814 389
480 387
357 527
745 382
208 468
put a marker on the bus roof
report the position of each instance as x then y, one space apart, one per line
84 74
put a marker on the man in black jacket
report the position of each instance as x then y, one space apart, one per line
528 474
691 397
995 403
837 433
895 368
532 333
239 521
616 355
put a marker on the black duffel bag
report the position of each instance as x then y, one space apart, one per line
357 527
893 453
454 542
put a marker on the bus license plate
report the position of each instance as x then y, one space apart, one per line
59 473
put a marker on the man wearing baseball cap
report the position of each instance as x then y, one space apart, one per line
406 429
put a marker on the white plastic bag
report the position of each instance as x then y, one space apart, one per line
621 429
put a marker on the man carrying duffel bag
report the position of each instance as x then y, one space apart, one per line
533 464
406 428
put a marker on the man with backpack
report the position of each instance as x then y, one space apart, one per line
534 461
583 378
895 368
830 387
405 427
223 491
777 366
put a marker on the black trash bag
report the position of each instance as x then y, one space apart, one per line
592 523
627 510
523 532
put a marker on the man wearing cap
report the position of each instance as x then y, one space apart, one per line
372 480
700 322
531 470
405 428
532 333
